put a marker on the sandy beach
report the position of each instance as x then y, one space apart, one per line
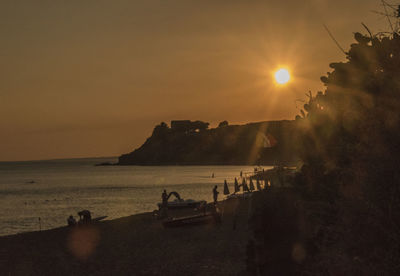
134 245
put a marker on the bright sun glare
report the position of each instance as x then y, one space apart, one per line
282 76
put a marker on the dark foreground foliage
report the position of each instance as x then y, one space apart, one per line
343 216
351 151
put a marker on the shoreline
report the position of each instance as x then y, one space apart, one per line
136 244
66 226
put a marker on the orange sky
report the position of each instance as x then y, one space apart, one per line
92 78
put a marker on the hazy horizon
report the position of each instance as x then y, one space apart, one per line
59 159
93 78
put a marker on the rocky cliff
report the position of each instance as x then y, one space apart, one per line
192 143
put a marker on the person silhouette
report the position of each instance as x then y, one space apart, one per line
164 198
215 194
71 221
85 216
164 204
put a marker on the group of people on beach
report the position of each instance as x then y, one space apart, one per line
84 217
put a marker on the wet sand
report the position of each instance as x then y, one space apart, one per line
134 245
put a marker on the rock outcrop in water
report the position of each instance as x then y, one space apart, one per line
192 143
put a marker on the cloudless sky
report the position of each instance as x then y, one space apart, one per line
83 78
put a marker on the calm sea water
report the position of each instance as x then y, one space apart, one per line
64 187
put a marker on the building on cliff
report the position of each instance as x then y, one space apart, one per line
188 126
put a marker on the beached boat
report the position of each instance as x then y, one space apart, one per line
193 220
180 203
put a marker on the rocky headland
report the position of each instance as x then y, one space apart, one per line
193 143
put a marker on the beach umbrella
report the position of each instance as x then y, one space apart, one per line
258 185
226 189
236 186
244 184
251 185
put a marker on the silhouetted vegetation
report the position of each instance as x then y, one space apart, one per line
350 148
348 209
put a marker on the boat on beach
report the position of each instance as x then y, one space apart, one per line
180 203
193 220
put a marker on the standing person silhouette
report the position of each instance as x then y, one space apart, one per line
164 204
164 198
215 194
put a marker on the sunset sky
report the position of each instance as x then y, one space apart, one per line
92 78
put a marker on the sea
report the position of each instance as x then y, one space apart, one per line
39 195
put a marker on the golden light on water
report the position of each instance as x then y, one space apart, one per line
282 76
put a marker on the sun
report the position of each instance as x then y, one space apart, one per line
282 76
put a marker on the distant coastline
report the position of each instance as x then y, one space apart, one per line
59 159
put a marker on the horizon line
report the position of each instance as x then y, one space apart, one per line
57 159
